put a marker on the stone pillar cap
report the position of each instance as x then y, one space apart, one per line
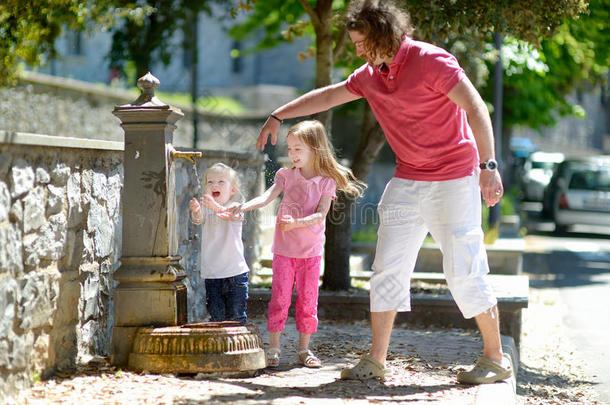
147 84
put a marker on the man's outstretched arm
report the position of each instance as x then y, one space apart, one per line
315 101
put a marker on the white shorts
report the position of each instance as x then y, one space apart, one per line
451 212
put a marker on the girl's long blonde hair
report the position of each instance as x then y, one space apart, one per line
313 134
235 182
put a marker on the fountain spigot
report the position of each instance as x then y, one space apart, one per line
190 156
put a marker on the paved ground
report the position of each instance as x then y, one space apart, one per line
424 364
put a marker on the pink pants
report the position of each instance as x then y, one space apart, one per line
305 273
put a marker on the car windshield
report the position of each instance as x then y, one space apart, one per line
597 178
543 165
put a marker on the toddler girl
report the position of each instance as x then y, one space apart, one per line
222 263
309 188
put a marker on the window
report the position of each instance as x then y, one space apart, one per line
236 66
74 43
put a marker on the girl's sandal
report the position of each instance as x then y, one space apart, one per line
308 359
273 357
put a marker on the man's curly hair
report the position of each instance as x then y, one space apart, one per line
382 23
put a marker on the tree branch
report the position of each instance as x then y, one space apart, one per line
315 20
340 44
341 39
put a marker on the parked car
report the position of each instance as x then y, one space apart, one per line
579 193
537 172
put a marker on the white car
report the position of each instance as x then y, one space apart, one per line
537 172
579 193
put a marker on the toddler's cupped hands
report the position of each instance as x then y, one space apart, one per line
209 202
194 206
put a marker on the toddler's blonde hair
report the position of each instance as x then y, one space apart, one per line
313 134
233 176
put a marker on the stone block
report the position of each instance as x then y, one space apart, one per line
99 186
34 210
100 225
16 212
8 299
5 164
38 301
122 342
158 304
53 235
5 201
22 178
42 176
41 358
55 197
70 291
60 172
14 248
75 208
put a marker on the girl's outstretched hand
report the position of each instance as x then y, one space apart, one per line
229 216
287 222
233 209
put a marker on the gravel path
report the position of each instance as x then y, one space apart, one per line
424 363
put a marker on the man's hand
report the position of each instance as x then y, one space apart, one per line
287 222
271 127
491 187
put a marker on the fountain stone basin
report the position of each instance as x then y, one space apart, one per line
209 347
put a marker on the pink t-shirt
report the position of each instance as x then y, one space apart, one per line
301 199
426 130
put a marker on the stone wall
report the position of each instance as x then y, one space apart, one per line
60 241
64 107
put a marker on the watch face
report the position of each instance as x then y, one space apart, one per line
492 164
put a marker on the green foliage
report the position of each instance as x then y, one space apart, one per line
537 79
141 29
367 233
461 26
142 40
28 29
216 104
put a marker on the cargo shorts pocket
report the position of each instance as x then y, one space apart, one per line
468 256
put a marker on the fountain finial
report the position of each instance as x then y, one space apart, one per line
148 84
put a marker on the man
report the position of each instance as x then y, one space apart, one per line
439 128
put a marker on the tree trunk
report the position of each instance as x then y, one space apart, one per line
372 140
338 245
324 53
339 220
507 172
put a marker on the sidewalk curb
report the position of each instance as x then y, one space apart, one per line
504 392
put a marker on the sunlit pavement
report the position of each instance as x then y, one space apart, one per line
579 262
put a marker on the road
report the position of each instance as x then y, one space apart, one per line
580 263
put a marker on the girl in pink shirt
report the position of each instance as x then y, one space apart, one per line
309 188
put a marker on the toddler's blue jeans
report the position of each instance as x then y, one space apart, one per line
226 298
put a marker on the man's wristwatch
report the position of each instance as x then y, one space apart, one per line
489 164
